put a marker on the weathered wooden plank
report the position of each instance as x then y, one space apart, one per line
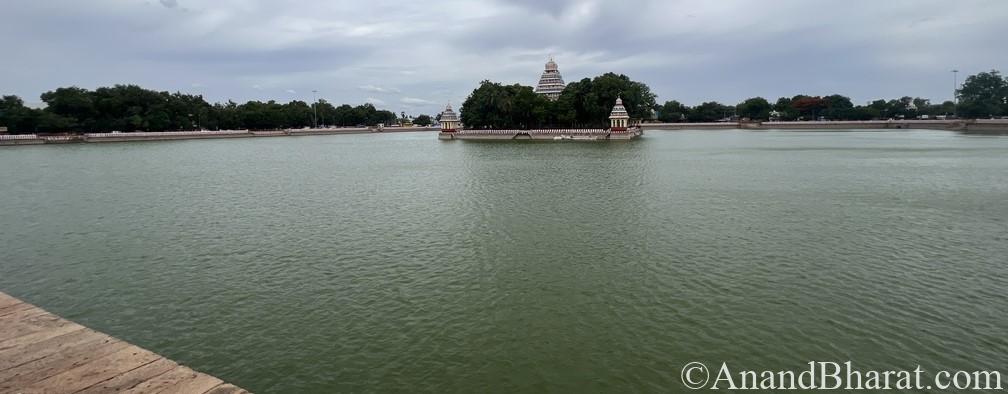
200 383
227 388
32 338
29 322
18 355
6 300
31 372
24 313
132 378
10 309
164 381
94 372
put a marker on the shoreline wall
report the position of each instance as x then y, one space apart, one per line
34 139
978 126
961 125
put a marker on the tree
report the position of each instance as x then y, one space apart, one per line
984 95
711 111
883 108
493 105
16 117
808 107
784 108
672 111
326 112
838 107
75 105
422 120
588 103
756 108
945 108
298 114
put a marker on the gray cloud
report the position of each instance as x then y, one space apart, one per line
427 54
378 89
416 102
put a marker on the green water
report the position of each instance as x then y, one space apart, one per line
397 262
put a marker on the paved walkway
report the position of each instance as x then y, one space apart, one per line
44 353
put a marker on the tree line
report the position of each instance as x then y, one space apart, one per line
983 95
587 103
129 108
582 104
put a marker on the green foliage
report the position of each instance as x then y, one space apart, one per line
422 120
585 103
493 105
672 111
16 117
783 107
588 102
984 95
130 108
838 107
756 108
711 111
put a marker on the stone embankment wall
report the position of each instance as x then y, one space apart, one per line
979 125
541 134
34 139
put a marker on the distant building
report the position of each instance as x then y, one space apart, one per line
551 83
3 130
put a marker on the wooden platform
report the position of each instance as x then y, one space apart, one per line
44 353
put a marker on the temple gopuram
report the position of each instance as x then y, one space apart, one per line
551 82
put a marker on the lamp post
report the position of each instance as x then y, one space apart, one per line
315 107
955 92
955 87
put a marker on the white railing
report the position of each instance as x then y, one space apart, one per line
680 124
165 134
14 137
534 131
862 122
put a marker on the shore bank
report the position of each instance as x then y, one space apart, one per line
34 139
978 126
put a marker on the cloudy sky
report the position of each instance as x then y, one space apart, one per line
414 56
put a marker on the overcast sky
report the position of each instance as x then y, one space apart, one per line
414 56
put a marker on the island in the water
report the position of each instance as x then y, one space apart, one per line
620 128
517 112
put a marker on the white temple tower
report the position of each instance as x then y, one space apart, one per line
619 120
550 83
